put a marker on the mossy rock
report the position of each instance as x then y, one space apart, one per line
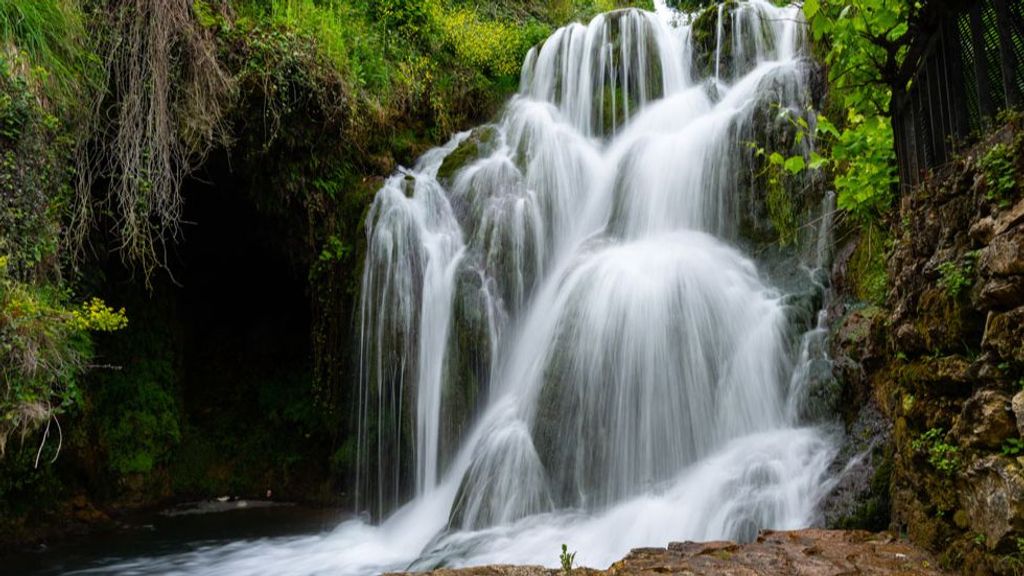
704 40
944 323
467 365
480 142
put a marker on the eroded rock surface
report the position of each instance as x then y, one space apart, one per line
802 552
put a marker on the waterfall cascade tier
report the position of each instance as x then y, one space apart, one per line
563 335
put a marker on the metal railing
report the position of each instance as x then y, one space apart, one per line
972 69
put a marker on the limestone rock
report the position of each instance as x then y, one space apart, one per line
993 498
1004 255
985 421
1018 411
1001 292
983 230
1004 334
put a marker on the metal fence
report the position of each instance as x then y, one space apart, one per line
972 69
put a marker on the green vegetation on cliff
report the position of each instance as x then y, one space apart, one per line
129 131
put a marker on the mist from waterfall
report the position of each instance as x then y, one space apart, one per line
562 339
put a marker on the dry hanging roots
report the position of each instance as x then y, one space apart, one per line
162 113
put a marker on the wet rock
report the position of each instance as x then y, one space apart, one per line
860 335
804 552
860 498
993 499
985 421
478 144
1018 411
466 370
943 322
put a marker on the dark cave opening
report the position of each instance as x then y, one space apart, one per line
222 342
243 297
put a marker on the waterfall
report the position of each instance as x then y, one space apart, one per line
565 332
563 298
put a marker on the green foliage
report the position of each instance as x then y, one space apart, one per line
1000 173
403 15
867 267
335 249
391 47
42 352
48 38
496 47
941 455
861 43
864 159
566 559
339 31
137 413
44 337
858 38
782 175
780 206
955 277
688 6
1013 447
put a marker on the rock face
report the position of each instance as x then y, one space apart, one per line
943 360
994 499
985 421
803 552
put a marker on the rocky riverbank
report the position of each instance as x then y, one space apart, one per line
810 552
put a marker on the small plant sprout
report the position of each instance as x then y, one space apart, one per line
567 559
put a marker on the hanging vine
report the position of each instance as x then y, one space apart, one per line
162 112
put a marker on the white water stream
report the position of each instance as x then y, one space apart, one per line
561 341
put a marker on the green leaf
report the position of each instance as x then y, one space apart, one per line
825 126
898 31
795 164
811 8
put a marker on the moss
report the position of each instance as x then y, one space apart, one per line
477 145
467 363
781 211
867 268
704 39
946 323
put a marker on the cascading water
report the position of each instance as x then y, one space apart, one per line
561 339
589 248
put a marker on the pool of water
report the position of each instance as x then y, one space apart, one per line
173 532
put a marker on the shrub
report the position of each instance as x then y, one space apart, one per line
942 456
1000 173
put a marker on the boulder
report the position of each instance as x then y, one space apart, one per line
993 498
1000 292
1004 334
986 420
1004 255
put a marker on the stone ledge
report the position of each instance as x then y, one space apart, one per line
810 552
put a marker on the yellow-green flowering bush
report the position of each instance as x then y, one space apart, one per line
44 347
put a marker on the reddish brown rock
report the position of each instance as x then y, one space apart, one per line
809 552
